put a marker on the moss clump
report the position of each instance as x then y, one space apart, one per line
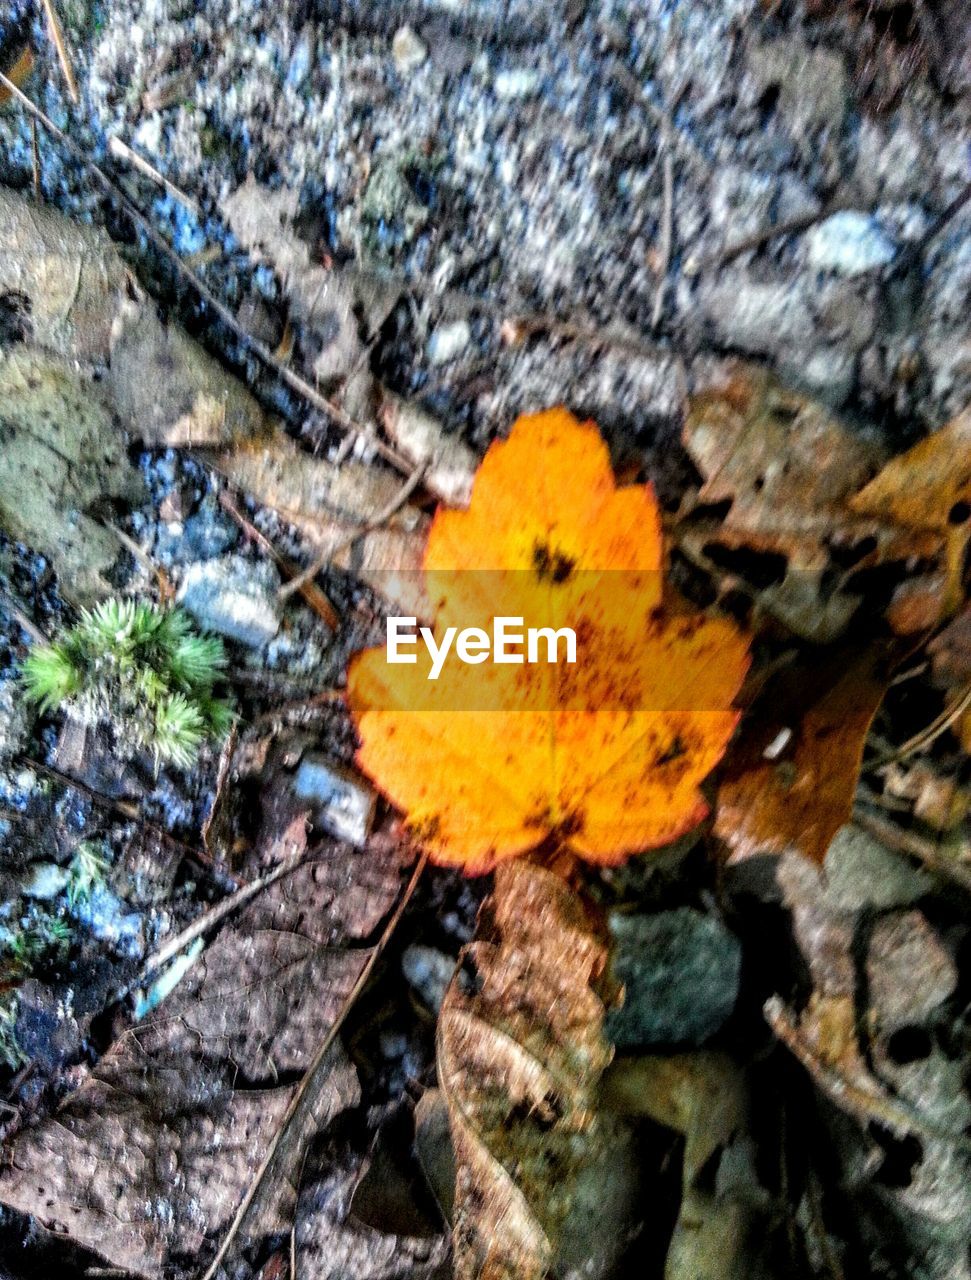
144 671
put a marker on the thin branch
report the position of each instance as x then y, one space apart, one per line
60 44
209 919
667 230
332 411
314 1070
915 846
122 151
303 579
312 594
920 741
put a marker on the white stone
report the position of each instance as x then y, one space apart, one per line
848 244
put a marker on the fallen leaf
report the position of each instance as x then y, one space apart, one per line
791 778
61 456
520 1052
604 754
785 467
927 491
704 1097
72 277
146 1162
169 391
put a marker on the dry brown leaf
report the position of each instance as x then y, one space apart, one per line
331 506
787 467
61 456
792 776
169 391
71 276
520 1053
146 1163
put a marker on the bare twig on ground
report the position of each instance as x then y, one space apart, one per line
331 411
305 578
60 44
317 1066
787 227
215 915
920 741
667 228
122 151
952 867
296 581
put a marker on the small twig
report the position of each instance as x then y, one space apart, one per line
166 590
667 229
297 581
60 44
309 1079
122 151
307 575
914 845
787 227
303 388
930 734
209 919
35 160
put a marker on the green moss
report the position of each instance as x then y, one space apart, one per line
143 670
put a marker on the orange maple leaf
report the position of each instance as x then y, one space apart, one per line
603 755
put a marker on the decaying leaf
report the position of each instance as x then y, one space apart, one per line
169 391
70 276
331 506
704 1097
927 491
61 454
604 754
321 297
146 1163
792 777
520 1053
786 467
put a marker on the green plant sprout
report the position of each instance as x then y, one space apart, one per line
87 870
144 670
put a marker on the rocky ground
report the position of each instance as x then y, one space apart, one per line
514 206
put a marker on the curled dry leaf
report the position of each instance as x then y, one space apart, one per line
791 780
604 754
520 1053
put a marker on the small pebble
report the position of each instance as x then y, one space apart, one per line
408 50
848 244
516 84
231 597
429 972
448 341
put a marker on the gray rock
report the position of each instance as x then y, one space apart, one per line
849 243
861 872
232 597
429 972
344 805
518 83
680 971
45 880
828 373
448 341
760 317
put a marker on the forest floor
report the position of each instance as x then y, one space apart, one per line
272 281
